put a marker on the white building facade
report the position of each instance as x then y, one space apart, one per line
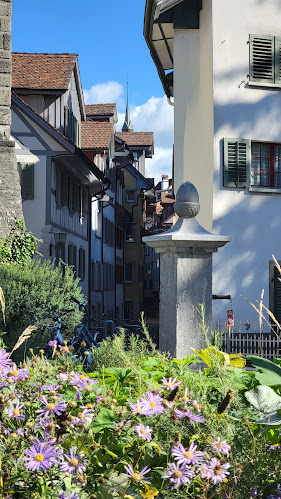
221 61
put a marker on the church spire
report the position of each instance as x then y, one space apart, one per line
127 127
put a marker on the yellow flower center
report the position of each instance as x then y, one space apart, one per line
83 376
178 474
39 457
51 406
143 431
88 388
136 477
152 404
16 412
188 455
169 385
14 373
74 462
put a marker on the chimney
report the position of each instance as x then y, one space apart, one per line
10 193
165 182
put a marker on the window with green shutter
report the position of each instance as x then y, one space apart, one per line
237 159
265 59
27 181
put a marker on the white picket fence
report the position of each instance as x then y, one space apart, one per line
265 344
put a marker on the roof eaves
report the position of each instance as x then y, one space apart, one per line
80 90
150 9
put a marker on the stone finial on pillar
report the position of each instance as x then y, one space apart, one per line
10 193
185 275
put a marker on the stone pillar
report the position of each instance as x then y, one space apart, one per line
185 276
10 193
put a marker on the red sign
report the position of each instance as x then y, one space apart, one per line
230 318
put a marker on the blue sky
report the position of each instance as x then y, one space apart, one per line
108 36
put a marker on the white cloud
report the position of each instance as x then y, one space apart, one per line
155 115
110 91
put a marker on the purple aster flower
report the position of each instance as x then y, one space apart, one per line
84 417
81 381
15 411
179 475
218 471
99 398
51 408
221 446
171 383
275 446
5 362
137 476
74 463
205 471
73 495
153 404
53 343
15 374
197 418
144 432
40 456
20 432
52 388
139 407
189 456
78 396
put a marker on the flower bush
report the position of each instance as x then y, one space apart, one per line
152 429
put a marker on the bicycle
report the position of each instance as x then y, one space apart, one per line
83 340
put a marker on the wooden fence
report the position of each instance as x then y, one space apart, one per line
265 344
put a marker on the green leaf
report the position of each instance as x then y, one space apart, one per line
105 417
211 356
269 373
264 399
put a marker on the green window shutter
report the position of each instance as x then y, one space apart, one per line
262 63
278 60
66 114
27 181
237 162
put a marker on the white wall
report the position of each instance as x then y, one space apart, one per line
241 111
194 110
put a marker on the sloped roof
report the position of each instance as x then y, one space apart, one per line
96 135
136 138
42 71
100 109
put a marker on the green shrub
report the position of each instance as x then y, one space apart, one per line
20 246
39 289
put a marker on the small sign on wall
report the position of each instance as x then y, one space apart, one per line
230 318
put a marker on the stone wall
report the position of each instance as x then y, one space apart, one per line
10 194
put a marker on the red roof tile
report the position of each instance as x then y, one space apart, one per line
136 138
100 109
42 71
96 135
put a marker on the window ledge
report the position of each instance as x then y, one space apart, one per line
266 190
263 84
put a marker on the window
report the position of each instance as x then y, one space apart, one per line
72 255
130 232
96 283
251 164
130 196
265 61
130 272
60 247
82 264
27 181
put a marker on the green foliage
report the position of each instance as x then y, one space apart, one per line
269 373
266 402
217 360
39 289
20 246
